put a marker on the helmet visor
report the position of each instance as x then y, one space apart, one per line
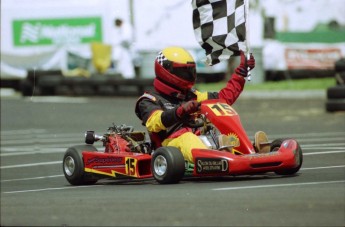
184 71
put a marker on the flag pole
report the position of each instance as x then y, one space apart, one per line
246 5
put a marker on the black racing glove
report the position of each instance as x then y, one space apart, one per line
180 113
186 109
242 69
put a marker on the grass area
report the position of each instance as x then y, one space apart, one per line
300 84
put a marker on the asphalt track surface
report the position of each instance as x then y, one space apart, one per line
36 131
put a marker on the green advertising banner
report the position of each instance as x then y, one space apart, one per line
56 31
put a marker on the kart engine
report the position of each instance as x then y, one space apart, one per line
121 136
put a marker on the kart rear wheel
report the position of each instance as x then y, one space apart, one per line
275 145
167 165
73 165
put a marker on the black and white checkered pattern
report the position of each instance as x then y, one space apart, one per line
220 28
161 58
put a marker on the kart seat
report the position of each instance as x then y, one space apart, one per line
156 141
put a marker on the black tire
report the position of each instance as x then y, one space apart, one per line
63 90
90 137
339 65
83 90
48 84
336 92
106 90
73 165
167 165
275 145
333 105
27 88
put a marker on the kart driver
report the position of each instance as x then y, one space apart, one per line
165 110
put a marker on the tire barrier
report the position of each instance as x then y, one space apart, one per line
97 85
336 94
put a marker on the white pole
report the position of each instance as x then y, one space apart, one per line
246 8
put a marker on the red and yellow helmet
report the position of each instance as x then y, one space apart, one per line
175 71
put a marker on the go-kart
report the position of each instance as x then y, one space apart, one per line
129 154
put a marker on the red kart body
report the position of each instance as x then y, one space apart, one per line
118 164
126 156
226 119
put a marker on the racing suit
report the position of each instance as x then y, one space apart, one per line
157 112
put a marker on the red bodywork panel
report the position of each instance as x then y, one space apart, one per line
118 165
117 162
225 163
226 119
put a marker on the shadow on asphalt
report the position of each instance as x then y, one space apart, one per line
197 180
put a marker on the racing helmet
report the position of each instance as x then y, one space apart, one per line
175 72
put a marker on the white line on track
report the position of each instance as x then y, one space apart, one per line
318 140
52 189
15 135
323 145
315 134
38 141
323 152
23 132
322 148
32 178
49 150
54 176
58 99
322 167
41 151
279 185
217 189
60 162
31 165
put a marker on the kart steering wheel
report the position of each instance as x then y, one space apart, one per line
196 122
196 119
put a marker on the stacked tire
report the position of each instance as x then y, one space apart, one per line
336 94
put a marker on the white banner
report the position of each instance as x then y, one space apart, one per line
283 56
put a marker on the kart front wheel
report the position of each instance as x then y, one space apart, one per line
167 165
275 145
73 165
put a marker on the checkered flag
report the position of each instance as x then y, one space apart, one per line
220 28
